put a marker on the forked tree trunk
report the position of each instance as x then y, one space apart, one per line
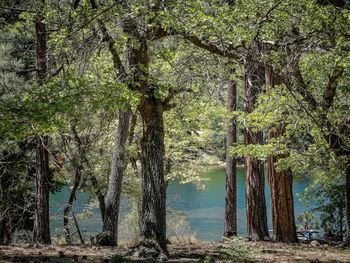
230 225
254 168
112 198
281 186
41 233
153 203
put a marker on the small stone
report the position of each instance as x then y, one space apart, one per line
150 252
314 243
162 257
136 253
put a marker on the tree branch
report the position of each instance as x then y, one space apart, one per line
300 85
331 88
117 62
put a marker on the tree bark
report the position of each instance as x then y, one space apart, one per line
347 202
70 204
41 232
5 230
153 198
153 203
112 198
99 194
230 225
281 185
282 206
254 168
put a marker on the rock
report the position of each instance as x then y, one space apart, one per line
61 254
150 253
125 253
162 257
136 253
314 243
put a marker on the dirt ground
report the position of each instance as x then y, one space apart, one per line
205 252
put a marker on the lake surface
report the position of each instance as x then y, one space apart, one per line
204 209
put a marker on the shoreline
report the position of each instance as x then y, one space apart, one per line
181 252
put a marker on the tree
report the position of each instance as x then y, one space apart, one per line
112 198
230 227
254 168
41 232
281 184
320 104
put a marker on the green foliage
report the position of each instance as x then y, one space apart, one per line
77 104
326 199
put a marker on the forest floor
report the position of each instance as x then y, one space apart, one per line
201 252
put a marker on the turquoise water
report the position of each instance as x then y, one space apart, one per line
204 208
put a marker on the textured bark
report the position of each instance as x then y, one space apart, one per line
347 203
230 225
153 199
5 230
68 208
281 185
153 204
254 169
41 232
99 194
282 206
133 159
112 198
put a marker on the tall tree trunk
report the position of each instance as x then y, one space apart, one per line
5 230
153 197
41 220
70 204
254 168
112 198
347 203
153 204
230 225
41 232
282 206
281 185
